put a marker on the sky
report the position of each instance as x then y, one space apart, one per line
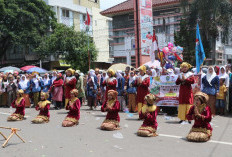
105 4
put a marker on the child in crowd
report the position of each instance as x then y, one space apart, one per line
201 114
220 103
19 104
73 106
149 114
43 106
112 106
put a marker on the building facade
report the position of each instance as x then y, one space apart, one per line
166 18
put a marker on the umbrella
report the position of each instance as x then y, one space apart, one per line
9 68
37 69
119 66
25 68
154 64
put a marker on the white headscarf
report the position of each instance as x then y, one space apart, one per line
36 81
104 77
46 80
54 77
92 74
23 83
131 79
153 73
119 75
210 77
224 75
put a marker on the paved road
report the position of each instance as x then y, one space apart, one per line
87 140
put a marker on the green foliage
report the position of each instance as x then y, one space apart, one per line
24 22
213 15
73 45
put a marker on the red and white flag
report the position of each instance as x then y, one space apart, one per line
87 21
154 47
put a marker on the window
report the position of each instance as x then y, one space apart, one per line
65 13
158 21
120 60
131 17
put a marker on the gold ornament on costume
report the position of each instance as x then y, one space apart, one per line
75 92
185 64
143 68
71 70
111 71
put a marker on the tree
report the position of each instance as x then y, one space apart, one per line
73 45
24 23
214 16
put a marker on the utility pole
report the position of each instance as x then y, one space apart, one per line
137 37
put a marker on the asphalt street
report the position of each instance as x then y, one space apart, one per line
87 140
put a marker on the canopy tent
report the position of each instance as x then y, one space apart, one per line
25 68
37 69
9 68
154 64
120 66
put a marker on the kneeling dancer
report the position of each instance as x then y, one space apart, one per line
112 106
201 113
149 114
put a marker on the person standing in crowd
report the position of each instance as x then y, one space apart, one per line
131 93
54 76
19 104
120 89
223 74
91 89
110 82
149 114
142 83
45 83
15 74
126 77
56 91
152 74
69 84
36 88
220 102
210 86
16 81
185 80
112 107
24 84
5 94
201 114
103 88
73 106
1 89
80 86
98 94
11 89
43 106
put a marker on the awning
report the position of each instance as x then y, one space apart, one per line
63 63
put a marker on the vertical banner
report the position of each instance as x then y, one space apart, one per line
146 26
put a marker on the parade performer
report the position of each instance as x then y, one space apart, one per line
69 84
185 80
201 114
43 106
56 90
74 110
19 104
110 82
112 106
142 83
149 114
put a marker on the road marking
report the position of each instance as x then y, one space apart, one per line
11 114
211 141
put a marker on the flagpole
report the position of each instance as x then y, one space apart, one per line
89 57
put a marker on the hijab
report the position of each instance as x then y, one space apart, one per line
210 77
23 83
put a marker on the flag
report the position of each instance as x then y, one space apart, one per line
87 21
200 53
154 47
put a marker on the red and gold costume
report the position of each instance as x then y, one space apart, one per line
112 107
142 83
111 84
149 114
201 130
74 110
69 84
185 94
43 107
19 104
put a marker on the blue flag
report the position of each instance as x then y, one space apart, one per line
200 53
